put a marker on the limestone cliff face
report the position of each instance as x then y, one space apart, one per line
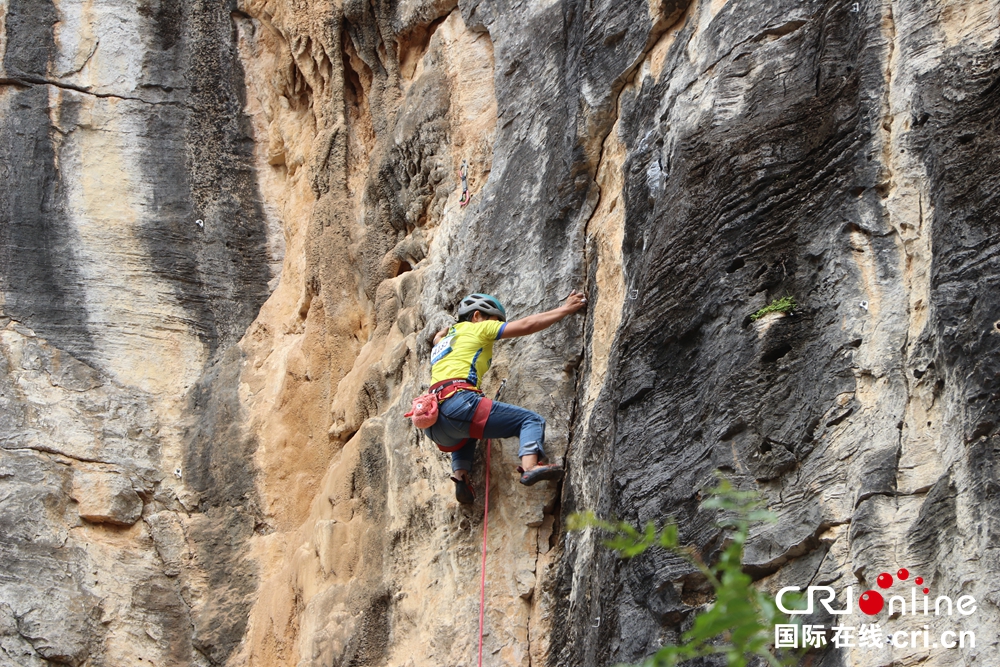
229 231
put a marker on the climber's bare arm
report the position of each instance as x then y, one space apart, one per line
439 335
535 323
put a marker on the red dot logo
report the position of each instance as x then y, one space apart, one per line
903 574
918 581
926 591
871 602
884 580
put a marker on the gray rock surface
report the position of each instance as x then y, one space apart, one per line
134 250
799 150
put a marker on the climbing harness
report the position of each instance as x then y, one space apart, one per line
463 172
486 519
425 409
439 393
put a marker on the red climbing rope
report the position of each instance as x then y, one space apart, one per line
486 525
486 520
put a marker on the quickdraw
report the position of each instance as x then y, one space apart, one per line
463 172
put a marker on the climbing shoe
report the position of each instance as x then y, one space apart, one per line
464 493
549 471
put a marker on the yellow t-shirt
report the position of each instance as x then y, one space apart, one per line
465 352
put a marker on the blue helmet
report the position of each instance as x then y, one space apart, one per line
484 303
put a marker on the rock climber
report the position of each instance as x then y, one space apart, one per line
461 356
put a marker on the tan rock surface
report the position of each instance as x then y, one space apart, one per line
106 498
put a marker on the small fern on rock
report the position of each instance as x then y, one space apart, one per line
785 304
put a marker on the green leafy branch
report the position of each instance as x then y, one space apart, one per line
740 622
785 304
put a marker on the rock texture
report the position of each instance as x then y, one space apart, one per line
800 148
230 230
136 251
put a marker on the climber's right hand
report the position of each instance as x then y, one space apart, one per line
575 301
535 323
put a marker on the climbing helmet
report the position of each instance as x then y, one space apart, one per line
484 303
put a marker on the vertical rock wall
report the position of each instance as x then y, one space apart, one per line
230 230
800 149
135 253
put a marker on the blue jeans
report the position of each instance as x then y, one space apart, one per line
505 421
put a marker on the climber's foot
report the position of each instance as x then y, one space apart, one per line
538 473
464 493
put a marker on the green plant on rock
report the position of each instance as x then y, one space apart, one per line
740 622
785 304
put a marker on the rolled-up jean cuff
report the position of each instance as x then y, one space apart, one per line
460 464
528 448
